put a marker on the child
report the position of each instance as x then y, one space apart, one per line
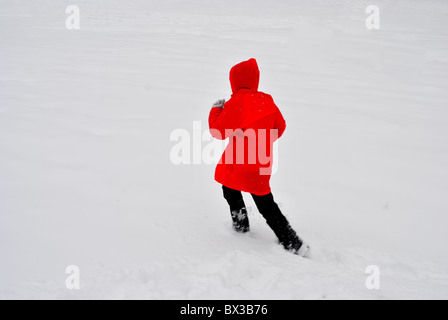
253 122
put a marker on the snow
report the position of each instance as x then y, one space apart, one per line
85 171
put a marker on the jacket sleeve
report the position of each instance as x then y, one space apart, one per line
280 124
223 122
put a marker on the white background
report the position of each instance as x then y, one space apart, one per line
86 177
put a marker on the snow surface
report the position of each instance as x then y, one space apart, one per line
85 171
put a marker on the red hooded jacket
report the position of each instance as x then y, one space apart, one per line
252 122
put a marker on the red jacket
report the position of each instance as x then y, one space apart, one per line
253 122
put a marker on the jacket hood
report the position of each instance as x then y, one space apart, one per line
245 75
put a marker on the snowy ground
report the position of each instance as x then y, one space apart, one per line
85 171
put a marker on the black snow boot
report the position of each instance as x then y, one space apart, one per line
240 221
291 242
237 209
280 225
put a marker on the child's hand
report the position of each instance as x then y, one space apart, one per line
219 103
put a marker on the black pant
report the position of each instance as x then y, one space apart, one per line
270 211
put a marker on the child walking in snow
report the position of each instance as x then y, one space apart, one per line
252 122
